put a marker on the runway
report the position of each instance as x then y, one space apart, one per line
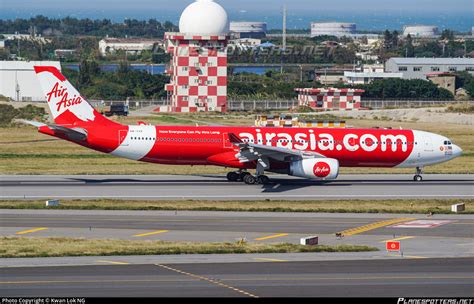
449 236
372 278
214 187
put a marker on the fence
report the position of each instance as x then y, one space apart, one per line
261 105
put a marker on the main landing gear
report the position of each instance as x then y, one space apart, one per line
247 178
418 177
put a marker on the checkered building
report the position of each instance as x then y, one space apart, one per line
330 99
198 71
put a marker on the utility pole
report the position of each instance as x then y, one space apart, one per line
283 37
284 27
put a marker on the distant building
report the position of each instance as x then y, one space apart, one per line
63 53
245 29
330 98
2 44
245 43
444 80
19 80
419 68
368 77
129 45
421 31
338 29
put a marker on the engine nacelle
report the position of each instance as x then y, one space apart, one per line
315 168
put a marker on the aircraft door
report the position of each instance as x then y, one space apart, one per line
427 144
122 137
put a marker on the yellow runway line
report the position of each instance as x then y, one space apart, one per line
373 226
398 239
271 236
31 230
212 281
151 233
113 262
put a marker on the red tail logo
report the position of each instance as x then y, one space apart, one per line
60 91
321 169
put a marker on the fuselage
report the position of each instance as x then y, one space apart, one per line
188 145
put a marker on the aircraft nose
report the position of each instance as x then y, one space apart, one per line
457 151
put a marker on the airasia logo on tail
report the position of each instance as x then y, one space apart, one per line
321 169
58 91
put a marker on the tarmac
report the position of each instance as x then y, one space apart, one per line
216 187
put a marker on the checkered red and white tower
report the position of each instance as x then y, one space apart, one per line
198 66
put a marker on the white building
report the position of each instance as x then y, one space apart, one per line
19 81
421 31
246 29
338 29
367 77
418 68
129 45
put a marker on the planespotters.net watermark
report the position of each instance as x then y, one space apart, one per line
434 301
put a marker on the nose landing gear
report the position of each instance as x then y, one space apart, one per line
418 177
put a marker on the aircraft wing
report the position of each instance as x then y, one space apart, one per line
75 134
255 152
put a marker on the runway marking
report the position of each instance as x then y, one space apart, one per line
113 262
407 256
349 279
398 239
208 280
231 279
271 236
270 260
239 220
89 281
151 233
31 230
373 226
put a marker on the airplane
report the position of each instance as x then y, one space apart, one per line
311 153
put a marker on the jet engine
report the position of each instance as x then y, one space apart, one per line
315 168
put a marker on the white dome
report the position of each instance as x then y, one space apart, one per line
204 17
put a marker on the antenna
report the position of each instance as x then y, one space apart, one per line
284 27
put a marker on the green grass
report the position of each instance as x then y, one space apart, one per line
341 206
22 247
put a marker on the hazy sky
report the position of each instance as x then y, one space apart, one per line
249 5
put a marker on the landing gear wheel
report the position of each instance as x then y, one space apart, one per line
242 175
250 179
263 180
233 176
418 178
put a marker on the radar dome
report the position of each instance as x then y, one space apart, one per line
204 17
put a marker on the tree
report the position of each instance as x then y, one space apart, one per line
409 49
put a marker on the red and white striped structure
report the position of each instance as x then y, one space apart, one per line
330 98
198 70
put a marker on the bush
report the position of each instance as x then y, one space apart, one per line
8 113
461 108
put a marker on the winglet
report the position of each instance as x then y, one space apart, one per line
234 138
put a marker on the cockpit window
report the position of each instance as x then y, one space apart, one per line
447 142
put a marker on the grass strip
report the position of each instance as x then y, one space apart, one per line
337 206
19 247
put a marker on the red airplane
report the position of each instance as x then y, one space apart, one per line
313 153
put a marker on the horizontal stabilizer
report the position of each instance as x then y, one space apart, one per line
74 134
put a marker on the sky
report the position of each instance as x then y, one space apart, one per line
300 12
